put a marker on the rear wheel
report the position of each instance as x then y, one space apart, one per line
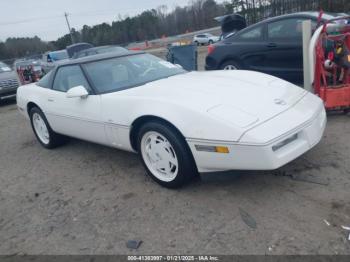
230 65
165 155
42 130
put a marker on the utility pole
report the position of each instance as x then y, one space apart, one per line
70 30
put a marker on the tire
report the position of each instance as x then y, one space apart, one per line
196 43
168 159
210 42
230 64
48 139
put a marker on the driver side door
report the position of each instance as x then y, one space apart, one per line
76 117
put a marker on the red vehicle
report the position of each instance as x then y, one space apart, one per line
28 71
330 50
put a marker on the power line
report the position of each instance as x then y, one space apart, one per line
99 13
29 20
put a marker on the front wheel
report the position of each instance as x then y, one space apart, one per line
165 155
230 65
42 130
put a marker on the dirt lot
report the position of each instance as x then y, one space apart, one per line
83 198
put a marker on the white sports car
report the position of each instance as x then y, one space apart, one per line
181 123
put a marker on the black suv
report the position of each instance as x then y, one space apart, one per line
273 46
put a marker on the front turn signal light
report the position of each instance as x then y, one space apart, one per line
222 149
213 149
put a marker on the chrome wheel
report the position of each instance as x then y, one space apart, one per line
41 128
159 156
230 67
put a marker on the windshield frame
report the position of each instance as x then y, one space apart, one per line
97 91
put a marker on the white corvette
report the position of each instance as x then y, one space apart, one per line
181 123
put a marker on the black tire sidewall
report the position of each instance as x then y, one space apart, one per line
186 168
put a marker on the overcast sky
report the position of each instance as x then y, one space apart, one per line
45 19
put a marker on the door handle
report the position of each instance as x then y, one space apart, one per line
271 45
50 100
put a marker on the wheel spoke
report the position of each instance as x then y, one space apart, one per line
159 156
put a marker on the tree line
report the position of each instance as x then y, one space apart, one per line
162 22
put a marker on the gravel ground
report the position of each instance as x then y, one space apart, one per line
84 198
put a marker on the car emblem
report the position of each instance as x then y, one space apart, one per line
280 102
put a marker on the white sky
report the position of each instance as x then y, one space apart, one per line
44 18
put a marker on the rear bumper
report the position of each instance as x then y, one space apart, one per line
262 157
210 63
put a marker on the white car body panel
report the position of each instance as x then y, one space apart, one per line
246 111
307 119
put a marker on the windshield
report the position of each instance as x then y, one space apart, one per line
4 68
111 49
129 71
59 55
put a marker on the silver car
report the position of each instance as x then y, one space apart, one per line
205 39
8 82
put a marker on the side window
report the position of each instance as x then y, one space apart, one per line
82 54
253 34
111 74
91 53
68 77
287 29
45 81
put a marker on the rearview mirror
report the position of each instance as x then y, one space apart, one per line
78 91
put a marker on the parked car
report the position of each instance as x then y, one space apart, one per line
8 82
205 39
28 70
179 122
76 48
50 59
100 50
273 46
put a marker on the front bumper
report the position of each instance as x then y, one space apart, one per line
261 157
7 94
8 88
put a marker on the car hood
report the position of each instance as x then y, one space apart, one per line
8 75
242 98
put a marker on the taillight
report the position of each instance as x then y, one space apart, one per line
211 49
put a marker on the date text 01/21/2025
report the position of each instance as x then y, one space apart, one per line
173 258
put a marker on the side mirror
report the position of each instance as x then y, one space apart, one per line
78 91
